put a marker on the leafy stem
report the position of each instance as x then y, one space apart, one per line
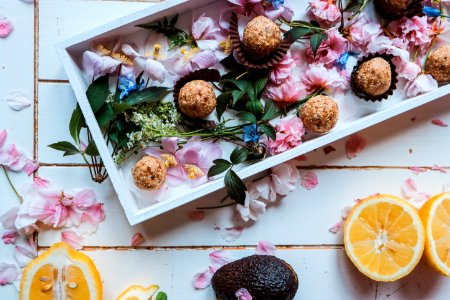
11 184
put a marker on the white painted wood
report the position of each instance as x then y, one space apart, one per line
302 218
60 19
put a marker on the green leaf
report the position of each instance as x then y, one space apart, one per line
237 95
67 147
91 149
316 40
98 92
235 187
259 85
247 117
161 295
174 20
220 166
105 115
296 33
269 131
151 94
239 155
255 107
269 111
76 123
120 107
222 102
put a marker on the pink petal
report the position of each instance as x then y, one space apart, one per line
24 253
220 258
202 280
84 198
170 144
19 100
243 294
155 70
72 238
409 188
196 215
6 26
92 217
8 219
265 248
309 180
137 239
40 182
438 168
233 233
354 145
335 228
3 136
439 122
9 237
31 166
417 170
8 273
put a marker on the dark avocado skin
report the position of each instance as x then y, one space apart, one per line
265 277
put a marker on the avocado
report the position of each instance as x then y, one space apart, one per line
264 276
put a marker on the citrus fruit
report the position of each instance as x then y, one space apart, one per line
61 273
137 292
384 237
435 214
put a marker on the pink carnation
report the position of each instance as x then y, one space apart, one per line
415 31
281 71
325 11
361 33
290 131
289 91
330 50
317 77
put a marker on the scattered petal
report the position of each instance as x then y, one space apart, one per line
265 248
309 180
220 258
8 273
73 239
3 136
137 239
438 168
25 252
196 215
409 188
233 233
203 280
439 122
417 170
336 227
243 294
19 100
9 236
31 166
6 26
354 145
328 149
8 219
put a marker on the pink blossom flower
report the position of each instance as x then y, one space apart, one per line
309 180
197 157
253 208
289 135
265 248
329 51
361 33
354 145
72 238
439 122
188 60
137 239
424 83
285 178
325 11
318 77
407 69
290 91
383 44
9 236
6 26
8 273
283 70
243 294
414 32
96 65
209 35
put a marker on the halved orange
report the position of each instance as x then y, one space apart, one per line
137 292
61 273
384 237
435 214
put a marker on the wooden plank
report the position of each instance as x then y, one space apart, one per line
307 214
60 19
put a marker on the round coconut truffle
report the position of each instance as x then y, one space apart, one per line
320 114
392 9
438 64
374 77
197 99
149 173
261 37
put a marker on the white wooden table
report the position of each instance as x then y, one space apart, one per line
175 247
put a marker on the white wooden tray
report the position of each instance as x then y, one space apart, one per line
70 52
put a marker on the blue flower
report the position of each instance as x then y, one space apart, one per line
276 3
341 63
431 11
127 85
251 134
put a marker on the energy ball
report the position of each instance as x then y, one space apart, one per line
392 9
149 173
438 64
374 77
261 37
197 99
320 114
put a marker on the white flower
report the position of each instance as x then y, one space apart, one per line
253 208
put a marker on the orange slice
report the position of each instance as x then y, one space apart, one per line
384 237
61 273
137 292
435 214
